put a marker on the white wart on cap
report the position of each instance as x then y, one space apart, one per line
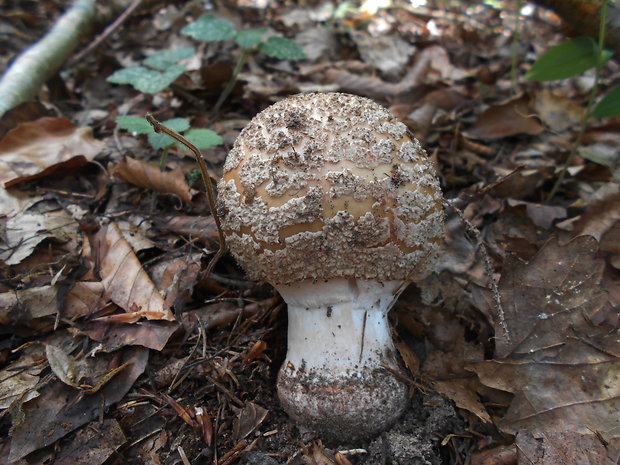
327 197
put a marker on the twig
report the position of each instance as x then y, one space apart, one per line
159 128
492 283
107 31
39 62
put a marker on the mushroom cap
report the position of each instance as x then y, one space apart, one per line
330 185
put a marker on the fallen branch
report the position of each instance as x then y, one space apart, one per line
40 61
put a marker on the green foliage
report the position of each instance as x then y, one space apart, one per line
609 104
201 138
166 58
212 29
161 70
281 48
250 37
603 155
570 58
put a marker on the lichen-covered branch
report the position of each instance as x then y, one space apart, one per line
39 62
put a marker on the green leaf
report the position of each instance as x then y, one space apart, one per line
134 124
177 124
281 48
147 80
609 104
159 141
210 29
250 37
166 58
202 138
570 58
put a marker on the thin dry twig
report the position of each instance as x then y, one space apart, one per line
107 32
492 283
206 177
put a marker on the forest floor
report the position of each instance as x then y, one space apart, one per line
116 347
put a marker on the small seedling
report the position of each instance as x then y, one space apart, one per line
201 138
572 58
159 71
209 28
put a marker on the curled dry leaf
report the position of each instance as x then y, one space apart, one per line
149 176
27 304
19 379
125 281
508 119
247 420
38 148
26 230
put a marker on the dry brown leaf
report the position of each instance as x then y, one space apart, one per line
562 448
40 147
464 396
22 306
507 119
92 446
19 379
544 300
61 409
201 227
247 420
150 334
125 281
556 110
149 176
26 230
84 298
563 370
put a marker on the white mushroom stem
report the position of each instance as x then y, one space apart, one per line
333 379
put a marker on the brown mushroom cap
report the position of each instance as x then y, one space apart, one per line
327 185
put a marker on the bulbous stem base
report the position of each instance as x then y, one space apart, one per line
333 380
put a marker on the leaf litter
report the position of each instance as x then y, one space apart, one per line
116 347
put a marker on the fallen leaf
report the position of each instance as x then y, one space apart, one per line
55 413
460 391
19 379
115 335
38 148
247 420
26 230
564 448
504 120
23 306
125 281
546 299
387 53
563 370
92 445
556 110
63 365
149 176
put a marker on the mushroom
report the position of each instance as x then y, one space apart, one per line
328 198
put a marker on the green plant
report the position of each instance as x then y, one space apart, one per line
209 28
201 138
572 58
159 71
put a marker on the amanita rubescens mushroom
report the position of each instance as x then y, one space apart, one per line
327 197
